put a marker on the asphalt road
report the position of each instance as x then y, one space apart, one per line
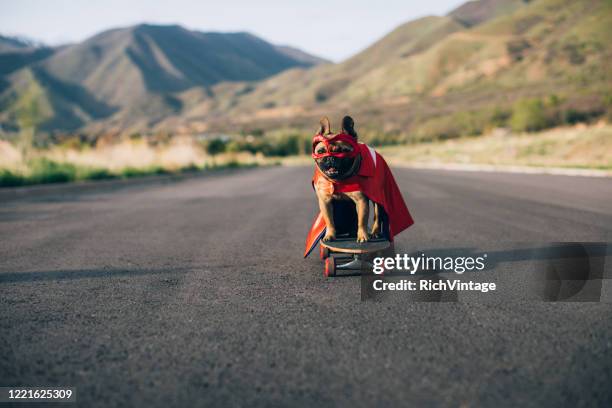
195 293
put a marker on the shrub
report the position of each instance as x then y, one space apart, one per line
10 179
43 171
321 96
440 128
384 139
48 171
607 104
144 171
73 143
499 117
472 123
232 164
528 115
572 116
288 146
190 168
215 146
94 174
307 145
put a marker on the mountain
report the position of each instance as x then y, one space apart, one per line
126 70
326 82
478 11
299 55
11 44
493 55
477 61
336 86
124 65
16 52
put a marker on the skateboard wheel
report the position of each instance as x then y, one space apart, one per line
323 252
330 267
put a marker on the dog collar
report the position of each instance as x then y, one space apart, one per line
328 140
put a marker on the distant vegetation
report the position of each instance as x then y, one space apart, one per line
277 144
45 171
77 160
134 72
487 63
578 146
513 67
524 65
524 115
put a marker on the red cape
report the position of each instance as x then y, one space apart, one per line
375 180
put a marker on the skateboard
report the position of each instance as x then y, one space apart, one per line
345 253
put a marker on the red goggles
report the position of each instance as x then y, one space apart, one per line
329 141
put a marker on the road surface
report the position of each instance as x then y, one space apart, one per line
195 293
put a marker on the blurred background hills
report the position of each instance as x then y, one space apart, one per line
130 76
522 65
145 78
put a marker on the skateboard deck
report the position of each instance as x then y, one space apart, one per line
351 246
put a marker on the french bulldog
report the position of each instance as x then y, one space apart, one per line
337 157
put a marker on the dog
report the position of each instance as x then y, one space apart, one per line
337 159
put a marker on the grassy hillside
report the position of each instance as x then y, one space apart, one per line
135 75
478 11
526 65
36 99
433 72
575 147
547 43
148 58
327 84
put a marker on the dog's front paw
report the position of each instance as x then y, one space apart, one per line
375 233
330 235
362 235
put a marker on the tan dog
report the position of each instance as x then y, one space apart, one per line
336 169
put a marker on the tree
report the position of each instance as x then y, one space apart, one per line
215 146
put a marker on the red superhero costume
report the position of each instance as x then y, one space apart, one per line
374 179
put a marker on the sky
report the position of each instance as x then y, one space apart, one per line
331 29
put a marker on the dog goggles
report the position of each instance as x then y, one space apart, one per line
328 141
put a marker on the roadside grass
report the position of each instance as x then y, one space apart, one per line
22 164
46 171
580 147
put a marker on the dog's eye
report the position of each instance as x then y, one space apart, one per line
343 148
321 150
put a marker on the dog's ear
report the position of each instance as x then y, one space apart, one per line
348 126
325 128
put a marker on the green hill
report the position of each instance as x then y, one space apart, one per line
479 11
438 68
514 63
137 69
